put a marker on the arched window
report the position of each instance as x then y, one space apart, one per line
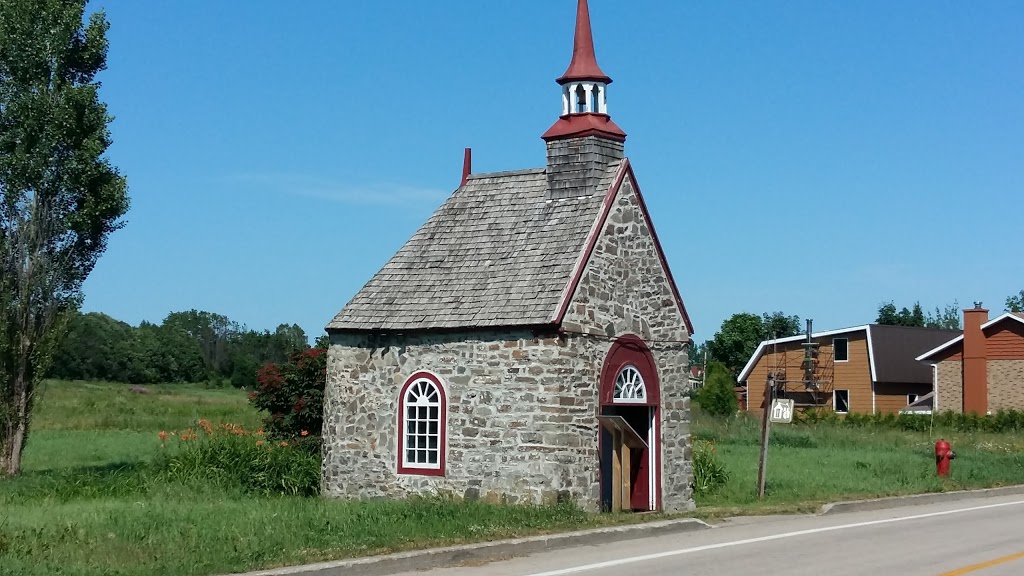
422 426
629 386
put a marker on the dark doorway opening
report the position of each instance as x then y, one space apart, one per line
641 419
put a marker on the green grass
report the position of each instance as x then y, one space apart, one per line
92 502
812 465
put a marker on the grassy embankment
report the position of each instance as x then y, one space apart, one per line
89 502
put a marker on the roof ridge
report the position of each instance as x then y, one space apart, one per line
522 172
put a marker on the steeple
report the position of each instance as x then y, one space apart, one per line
584 141
584 61
584 90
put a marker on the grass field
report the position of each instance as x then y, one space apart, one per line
88 503
812 465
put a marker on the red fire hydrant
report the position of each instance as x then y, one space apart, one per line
943 454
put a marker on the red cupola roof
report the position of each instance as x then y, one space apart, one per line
584 90
584 62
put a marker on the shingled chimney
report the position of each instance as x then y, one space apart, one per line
975 361
584 140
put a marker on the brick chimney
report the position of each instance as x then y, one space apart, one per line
975 361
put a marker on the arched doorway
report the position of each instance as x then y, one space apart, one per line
629 441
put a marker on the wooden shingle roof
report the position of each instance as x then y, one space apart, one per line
496 253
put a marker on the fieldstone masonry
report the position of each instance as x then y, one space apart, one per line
625 290
522 406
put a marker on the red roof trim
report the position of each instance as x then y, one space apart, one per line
581 263
661 253
586 124
584 63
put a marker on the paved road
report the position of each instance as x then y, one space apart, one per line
981 537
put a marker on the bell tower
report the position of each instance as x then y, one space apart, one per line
584 140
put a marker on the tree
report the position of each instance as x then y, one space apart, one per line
717 397
947 318
887 315
60 198
1015 303
735 342
778 325
696 356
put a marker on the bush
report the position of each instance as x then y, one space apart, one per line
292 394
717 397
230 455
708 472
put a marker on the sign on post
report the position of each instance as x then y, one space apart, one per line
782 411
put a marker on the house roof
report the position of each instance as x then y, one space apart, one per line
496 253
894 351
891 350
1015 316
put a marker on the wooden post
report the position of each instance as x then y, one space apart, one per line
627 477
616 471
765 429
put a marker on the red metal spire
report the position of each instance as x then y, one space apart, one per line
584 62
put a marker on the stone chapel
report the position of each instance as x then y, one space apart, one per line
528 343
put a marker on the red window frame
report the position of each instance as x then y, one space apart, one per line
442 426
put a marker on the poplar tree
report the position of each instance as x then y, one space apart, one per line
60 199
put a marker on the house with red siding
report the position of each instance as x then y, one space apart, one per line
982 370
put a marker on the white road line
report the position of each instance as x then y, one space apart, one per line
666 554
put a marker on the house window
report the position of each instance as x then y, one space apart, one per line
911 398
422 426
629 386
841 349
841 401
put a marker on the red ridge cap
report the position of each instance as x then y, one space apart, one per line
586 124
584 63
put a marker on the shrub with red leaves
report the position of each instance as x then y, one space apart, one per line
292 394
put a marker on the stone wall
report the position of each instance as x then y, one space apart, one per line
520 416
625 290
1005 384
950 386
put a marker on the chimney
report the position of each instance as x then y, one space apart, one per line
975 361
467 165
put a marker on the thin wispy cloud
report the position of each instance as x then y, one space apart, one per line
379 194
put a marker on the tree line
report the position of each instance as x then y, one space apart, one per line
188 346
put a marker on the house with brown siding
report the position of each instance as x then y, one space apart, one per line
981 370
865 369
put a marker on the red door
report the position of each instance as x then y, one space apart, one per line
639 467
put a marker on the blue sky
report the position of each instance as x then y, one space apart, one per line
815 157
